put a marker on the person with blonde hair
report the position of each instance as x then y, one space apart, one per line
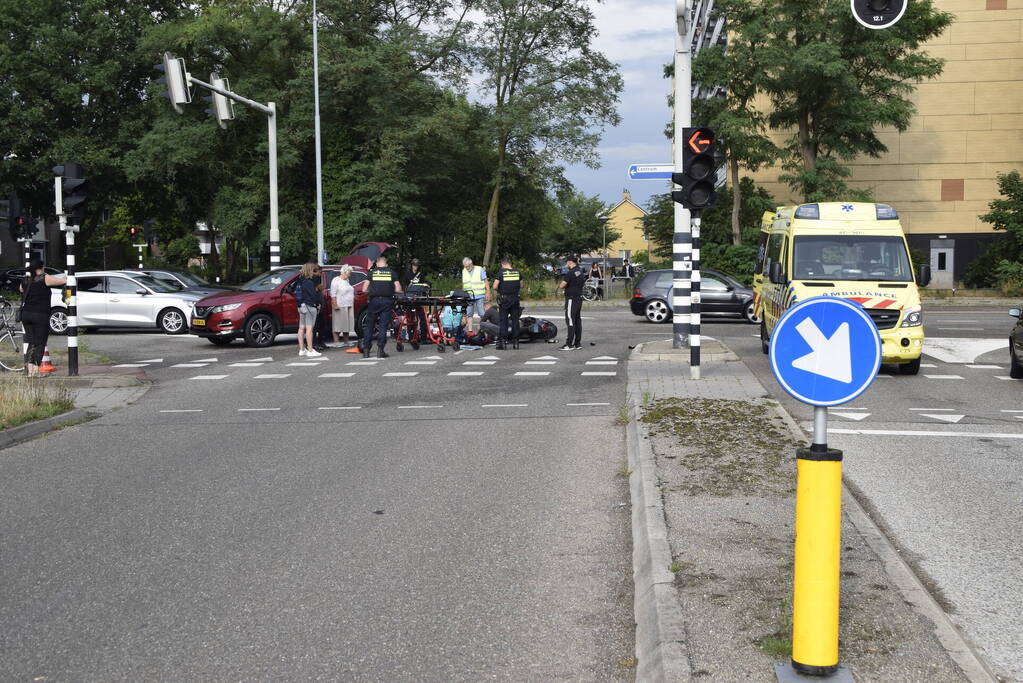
307 298
343 316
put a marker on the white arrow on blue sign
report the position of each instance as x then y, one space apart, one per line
825 351
651 171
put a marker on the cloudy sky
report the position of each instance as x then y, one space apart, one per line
639 35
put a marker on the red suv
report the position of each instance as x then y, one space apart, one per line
265 306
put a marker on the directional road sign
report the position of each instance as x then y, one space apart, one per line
825 351
651 171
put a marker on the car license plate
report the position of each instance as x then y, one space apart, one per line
199 323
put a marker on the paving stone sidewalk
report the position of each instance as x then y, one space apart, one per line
732 552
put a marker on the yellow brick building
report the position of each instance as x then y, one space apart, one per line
940 173
626 218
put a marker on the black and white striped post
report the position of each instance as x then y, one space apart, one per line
682 245
694 318
72 280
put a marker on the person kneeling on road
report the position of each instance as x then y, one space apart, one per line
508 285
383 284
490 323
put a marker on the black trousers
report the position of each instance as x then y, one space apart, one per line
508 313
574 320
379 313
37 331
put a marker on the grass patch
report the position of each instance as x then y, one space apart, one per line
726 447
624 410
777 645
24 399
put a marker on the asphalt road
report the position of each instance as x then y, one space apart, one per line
355 526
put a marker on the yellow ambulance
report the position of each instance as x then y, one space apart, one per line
855 251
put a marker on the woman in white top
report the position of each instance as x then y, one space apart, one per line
343 296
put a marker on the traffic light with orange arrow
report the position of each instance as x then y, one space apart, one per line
699 172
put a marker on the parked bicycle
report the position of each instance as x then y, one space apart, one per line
12 358
593 289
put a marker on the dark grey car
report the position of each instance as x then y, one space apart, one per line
720 296
1016 345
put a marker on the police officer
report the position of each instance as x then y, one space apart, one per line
508 284
383 283
572 282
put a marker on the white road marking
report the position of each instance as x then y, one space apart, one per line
599 374
602 362
337 375
920 432
418 407
479 362
1006 377
531 374
363 362
151 360
258 410
190 365
400 374
421 362
1012 411
183 410
928 365
541 362
852 416
303 364
271 376
546 358
932 410
340 408
245 365
209 377
505 405
458 352
434 358
985 367
943 376
267 359
960 350
205 360
133 365
587 404
604 358
464 374
490 358
944 417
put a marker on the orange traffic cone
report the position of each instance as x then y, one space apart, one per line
47 366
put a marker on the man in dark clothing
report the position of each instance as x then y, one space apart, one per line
508 285
416 284
490 322
572 282
383 284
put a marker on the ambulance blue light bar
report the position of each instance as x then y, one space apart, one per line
808 211
886 213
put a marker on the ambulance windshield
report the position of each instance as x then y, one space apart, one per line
851 257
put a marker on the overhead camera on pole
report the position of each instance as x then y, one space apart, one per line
178 81
878 13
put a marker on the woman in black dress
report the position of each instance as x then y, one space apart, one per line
35 313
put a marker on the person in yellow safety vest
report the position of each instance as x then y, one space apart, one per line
474 282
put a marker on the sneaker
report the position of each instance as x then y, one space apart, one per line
577 348
301 352
382 354
314 353
332 345
566 347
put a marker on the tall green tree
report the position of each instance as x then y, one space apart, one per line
834 82
577 225
550 93
740 125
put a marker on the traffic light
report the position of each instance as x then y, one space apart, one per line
74 190
134 232
878 13
27 226
699 170
223 108
176 79
10 215
149 231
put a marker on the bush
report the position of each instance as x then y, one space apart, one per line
737 260
1010 277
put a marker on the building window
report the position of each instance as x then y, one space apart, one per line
997 4
942 261
953 190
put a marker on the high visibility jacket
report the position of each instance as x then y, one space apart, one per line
472 281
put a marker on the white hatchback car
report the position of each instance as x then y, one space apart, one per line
114 299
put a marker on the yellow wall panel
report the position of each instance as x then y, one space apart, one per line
957 6
982 70
950 171
999 98
984 31
978 189
989 15
1007 121
994 51
946 99
873 172
994 146
933 147
952 123
949 52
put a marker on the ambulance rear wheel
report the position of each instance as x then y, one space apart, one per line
910 368
765 343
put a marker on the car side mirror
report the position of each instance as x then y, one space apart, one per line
777 274
141 292
923 274
1015 312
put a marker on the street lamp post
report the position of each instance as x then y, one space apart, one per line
682 241
320 256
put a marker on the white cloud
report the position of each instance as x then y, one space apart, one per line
637 153
636 30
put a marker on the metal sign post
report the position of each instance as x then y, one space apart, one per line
72 279
682 244
824 352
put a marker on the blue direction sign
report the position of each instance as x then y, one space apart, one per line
651 171
825 351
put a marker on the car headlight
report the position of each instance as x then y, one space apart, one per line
225 308
914 317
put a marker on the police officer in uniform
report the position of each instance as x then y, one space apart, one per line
383 284
508 284
572 282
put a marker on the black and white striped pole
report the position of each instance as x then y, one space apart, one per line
694 319
72 280
682 240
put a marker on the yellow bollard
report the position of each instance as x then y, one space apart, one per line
817 561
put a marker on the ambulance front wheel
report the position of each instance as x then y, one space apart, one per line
910 368
765 343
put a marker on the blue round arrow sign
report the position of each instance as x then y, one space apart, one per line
825 351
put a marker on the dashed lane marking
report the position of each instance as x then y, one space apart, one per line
337 375
587 404
183 410
541 362
985 367
1007 378
599 374
340 408
464 374
132 365
245 365
270 376
920 432
302 364
943 417
190 365
531 374
479 362
554 358
421 362
1012 411
151 360
505 405
258 410
932 410
943 376
205 360
363 362
928 365
852 416
266 359
602 362
605 358
400 374
209 377
419 407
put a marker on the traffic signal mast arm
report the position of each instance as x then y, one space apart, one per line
231 95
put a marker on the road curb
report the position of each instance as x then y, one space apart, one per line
661 652
963 653
27 432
